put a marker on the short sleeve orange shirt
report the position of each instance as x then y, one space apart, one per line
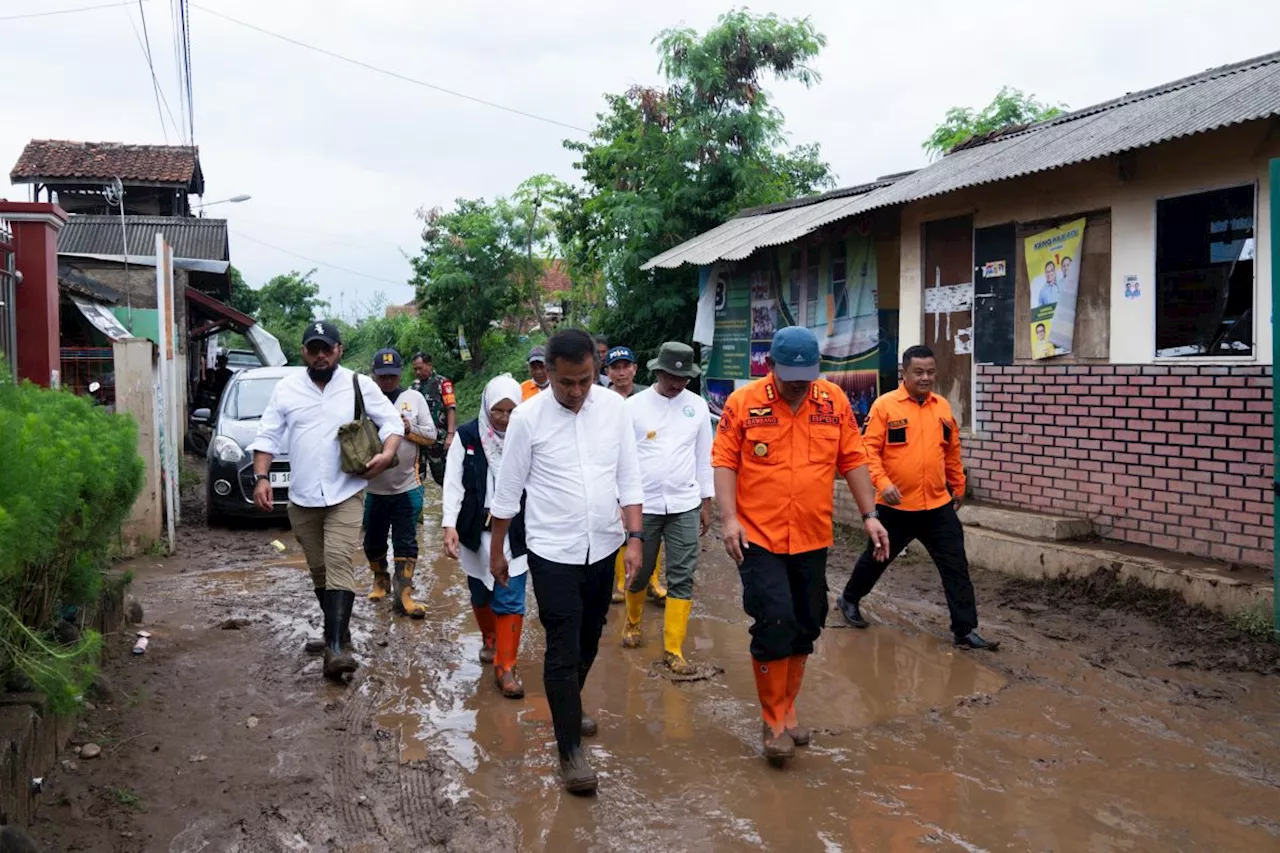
787 462
528 388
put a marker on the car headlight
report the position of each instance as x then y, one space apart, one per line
226 450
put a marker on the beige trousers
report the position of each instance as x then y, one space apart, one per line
329 536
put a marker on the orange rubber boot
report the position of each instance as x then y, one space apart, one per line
508 628
795 675
488 631
771 685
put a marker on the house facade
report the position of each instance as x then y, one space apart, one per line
1097 290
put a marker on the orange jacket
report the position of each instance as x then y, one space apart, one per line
916 447
787 461
528 388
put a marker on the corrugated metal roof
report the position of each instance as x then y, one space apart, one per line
201 239
1215 99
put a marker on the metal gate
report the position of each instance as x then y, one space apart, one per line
8 310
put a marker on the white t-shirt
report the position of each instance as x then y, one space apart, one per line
673 443
404 476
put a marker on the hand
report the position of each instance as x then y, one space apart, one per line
957 502
262 496
451 543
734 537
448 441
704 520
408 424
890 495
377 465
879 539
632 561
500 568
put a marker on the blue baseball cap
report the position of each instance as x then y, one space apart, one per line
619 354
387 362
795 355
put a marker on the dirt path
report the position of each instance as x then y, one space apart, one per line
1126 724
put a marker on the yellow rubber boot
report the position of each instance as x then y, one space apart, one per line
619 578
675 625
381 580
657 591
404 602
631 629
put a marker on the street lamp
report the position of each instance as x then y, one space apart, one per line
235 199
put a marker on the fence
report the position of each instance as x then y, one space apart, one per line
8 310
82 366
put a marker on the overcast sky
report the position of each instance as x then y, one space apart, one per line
338 158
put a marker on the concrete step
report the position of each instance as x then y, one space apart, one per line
1227 591
1030 525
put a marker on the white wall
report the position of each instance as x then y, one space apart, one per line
1225 158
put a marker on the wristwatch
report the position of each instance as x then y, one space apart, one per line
257 477
875 513
634 534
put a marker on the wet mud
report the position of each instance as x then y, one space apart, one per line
1102 724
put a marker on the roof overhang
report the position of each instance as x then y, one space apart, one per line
190 264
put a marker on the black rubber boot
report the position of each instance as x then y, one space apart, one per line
316 647
852 612
338 660
974 640
577 774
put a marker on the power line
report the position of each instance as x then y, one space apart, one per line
178 65
395 74
66 11
155 81
185 7
244 236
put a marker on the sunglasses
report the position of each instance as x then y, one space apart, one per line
319 348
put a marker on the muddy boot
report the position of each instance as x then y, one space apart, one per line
974 640
675 625
577 774
316 647
488 632
338 660
619 580
771 685
509 626
381 580
403 602
631 638
795 676
657 591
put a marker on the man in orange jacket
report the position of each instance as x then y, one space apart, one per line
914 444
780 444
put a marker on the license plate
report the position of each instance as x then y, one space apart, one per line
279 478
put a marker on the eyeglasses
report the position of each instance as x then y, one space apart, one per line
319 348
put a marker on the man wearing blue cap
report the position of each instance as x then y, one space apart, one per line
781 441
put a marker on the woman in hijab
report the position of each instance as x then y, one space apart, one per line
471 474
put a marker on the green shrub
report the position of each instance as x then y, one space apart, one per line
71 472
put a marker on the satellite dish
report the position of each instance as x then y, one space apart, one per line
114 192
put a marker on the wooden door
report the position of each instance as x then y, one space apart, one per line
948 309
995 261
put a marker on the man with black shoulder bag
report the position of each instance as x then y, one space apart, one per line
306 413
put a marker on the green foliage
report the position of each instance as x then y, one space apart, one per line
71 472
1010 108
507 354
243 297
286 304
465 272
130 798
664 165
1256 621
403 333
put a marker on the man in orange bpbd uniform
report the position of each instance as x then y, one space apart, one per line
914 444
780 444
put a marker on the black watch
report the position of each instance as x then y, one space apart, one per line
875 513
633 534
257 477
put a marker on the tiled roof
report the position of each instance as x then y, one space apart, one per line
200 239
48 159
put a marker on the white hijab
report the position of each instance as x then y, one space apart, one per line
501 387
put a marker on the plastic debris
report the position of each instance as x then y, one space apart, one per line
141 645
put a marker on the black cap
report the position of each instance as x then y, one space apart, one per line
321 330
387 362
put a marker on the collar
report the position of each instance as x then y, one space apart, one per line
902 395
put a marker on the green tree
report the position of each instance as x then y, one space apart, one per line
464 275
243 297
1010 108
666 164
286 303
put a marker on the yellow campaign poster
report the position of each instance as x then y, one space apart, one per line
1053 268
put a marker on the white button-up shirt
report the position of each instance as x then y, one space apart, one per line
673 442
302 420
576 470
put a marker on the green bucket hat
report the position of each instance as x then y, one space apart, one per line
677 359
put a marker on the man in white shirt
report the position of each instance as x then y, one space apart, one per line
394 501
672 428
302 419
573 455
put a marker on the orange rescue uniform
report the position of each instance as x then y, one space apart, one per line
915 446
528 388
787 461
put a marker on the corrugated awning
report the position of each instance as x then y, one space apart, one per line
1218 98
102 319
219 316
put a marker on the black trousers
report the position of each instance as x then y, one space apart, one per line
942 535
573 603
786 597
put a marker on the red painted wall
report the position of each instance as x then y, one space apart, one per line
35 228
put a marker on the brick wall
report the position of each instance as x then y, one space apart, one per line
1173 457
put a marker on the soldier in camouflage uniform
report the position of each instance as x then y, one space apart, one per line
439 393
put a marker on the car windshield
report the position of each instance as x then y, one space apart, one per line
248 398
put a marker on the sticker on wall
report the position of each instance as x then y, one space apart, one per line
994 269
964 341
1132 289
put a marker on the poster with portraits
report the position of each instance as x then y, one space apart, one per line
1053 269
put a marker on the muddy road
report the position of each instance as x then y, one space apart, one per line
1106 722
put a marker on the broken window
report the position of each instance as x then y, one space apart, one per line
1204 274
